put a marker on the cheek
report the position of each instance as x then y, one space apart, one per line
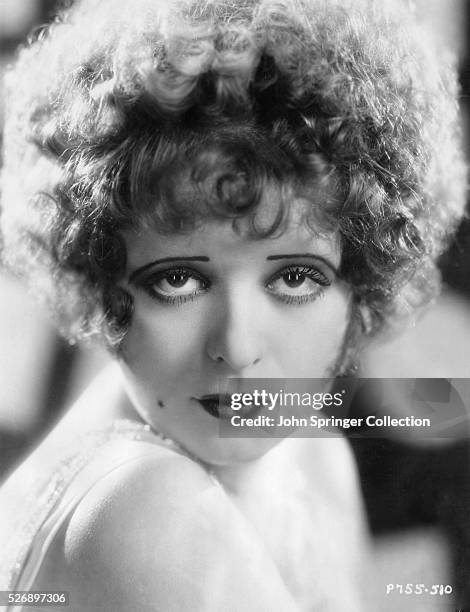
313 337
163 342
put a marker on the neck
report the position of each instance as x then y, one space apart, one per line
264 473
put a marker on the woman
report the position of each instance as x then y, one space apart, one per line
217 191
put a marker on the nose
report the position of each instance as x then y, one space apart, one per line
235 337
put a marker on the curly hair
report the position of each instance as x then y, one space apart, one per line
167 113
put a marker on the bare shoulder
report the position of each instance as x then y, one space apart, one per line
157 481
141 498
157 534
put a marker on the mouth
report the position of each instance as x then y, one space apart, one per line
219 406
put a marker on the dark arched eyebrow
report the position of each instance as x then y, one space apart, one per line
326 261
136 273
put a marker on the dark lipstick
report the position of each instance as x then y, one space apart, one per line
217 405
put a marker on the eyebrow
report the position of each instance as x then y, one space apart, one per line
326 261
149 265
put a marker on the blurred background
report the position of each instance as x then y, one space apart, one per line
416 495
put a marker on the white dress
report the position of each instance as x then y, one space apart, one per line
40 497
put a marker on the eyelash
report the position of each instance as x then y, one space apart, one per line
312 273
176 300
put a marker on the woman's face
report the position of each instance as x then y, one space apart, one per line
216 304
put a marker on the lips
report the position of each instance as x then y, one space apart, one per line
219 406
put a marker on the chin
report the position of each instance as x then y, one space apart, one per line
231 451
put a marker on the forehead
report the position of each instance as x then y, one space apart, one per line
221 240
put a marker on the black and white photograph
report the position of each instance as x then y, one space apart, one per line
235 306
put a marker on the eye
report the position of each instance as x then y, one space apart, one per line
297 284
175 285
